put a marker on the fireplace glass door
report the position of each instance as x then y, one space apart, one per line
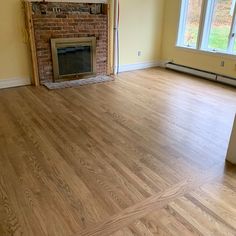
73 58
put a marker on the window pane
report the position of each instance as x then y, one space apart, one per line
221 24
192 23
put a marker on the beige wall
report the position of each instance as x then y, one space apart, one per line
200 60
140 30
144 26
14 61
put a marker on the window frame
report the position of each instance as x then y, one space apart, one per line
182 24
206 18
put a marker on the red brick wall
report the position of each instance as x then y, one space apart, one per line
68 20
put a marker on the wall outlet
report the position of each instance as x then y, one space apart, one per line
139 53
222 63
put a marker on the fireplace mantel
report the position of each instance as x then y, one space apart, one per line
72 1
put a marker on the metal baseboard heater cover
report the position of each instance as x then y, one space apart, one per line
191 71
203 74
226 80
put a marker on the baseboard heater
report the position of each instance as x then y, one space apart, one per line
202 74
226 80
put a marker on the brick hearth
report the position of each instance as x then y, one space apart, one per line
68 20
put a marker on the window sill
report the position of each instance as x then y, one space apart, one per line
212 53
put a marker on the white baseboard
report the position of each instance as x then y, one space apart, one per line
14 82
138 66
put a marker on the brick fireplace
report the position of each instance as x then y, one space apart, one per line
69 20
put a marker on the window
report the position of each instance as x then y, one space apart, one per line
191 14
208 25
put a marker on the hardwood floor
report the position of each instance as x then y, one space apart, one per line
143 155
210 210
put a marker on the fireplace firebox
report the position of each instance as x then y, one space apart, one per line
73 57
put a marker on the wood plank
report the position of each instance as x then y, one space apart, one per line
31 38
199 212
151 204
103 158
109 32
75 1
